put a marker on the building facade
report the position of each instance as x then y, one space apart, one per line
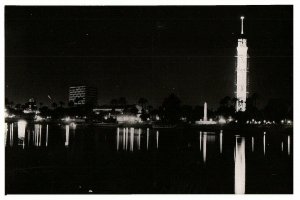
241 71
83 95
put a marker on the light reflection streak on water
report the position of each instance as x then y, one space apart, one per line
264 143
131 138
157 138
36 129
47 135
118 132
239 166
252 143
37 134
67 135
11 135
289 145
40 136
221 141
200 140
139 139
147 138
28 133
124 138
5 137
204 146
21 129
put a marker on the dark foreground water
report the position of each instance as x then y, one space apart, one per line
86 159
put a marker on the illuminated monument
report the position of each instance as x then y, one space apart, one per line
241 71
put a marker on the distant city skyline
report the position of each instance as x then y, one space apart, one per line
148 52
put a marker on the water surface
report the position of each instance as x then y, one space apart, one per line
126 160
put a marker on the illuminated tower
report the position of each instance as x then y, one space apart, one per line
241 71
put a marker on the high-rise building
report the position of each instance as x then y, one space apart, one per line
83 95
241 71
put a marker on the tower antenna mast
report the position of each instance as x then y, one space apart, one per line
242 27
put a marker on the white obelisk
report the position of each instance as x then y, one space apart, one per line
205 112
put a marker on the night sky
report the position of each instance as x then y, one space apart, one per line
148 51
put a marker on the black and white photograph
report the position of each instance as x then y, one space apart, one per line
148 99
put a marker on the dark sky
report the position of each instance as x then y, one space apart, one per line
146 52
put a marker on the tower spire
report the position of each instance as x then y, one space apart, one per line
242 27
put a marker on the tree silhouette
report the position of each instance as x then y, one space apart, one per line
122 101
114 102
61 103
54 105
71 103
18 106
142 102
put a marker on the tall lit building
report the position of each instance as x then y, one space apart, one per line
241 71
83 95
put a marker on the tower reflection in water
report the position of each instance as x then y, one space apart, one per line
5 136
239 165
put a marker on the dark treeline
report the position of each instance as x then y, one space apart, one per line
172 109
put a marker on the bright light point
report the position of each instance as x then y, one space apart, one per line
38 118
222 120
67 119
242 17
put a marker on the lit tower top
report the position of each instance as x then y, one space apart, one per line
241 71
